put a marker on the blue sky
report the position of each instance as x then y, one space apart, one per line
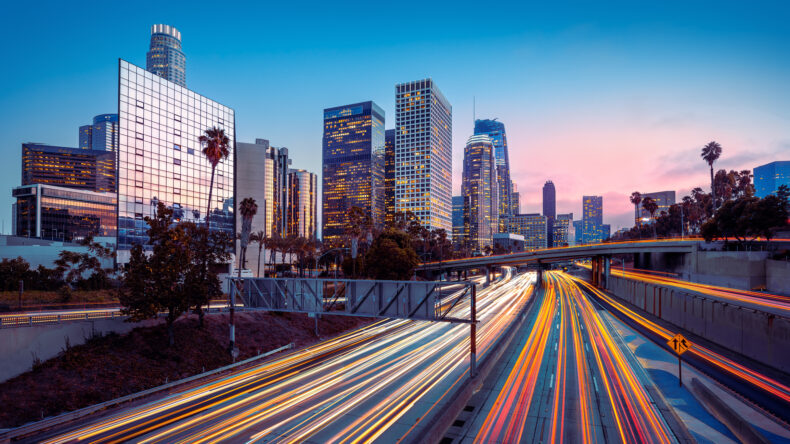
601 97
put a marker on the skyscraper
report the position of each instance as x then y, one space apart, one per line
160 157
515 200
664 199
423 153
592 215
262 174
550 209
479 188
68 167
165 57
102 135
532 226
496 131
353 166
389 174
302 204
458 221
769 177
562 229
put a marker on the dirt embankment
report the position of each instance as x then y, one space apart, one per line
112 366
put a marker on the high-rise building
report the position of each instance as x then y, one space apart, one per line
515 200
562 230
578 228
664 199
389 174
769 177
302 204
423 153
102 135
479 188
532 226
496 131
160 158
458 221
353 166
165 57
592 215
606 231
64 214
68 167
261 173
550 208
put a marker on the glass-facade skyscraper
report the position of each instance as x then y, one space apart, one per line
68 167
353 166
496 131
479 188
550 209
102 135
592 215
389 174
160 158
165 57
458 221
769 177
302 204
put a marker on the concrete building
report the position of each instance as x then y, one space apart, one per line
302 204
479 188
550 208
664 199
533 227
68 167
353 167
262 174
562 230
510 242
160 158
102 135
592 215
769 177
165 57
424 153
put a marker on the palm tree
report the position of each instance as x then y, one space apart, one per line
260 238
215 148
650 205
711 152
247 209
636 199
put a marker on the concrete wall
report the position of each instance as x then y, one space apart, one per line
777 276
21 346
761 336
735 269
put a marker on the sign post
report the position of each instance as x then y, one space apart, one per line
680 345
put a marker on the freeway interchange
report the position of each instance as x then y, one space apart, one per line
579 366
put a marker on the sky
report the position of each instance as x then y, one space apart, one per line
602 98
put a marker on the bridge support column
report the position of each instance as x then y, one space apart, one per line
607 265
488 276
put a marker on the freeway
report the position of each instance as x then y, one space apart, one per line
570 381
382 382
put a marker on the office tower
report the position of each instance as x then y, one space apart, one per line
592 215
165 57
86 137
496 131
606 231
160 157
578 228
458 222
550 208
389 175
769 177
68 167
423 153
562 230
102 135
533 227
515 201
664 199
479 187
302 204
353 167
64 214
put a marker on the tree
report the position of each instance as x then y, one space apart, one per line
215 147
747 217
391 256
783 194
261 239
711 153
636 199
649 204
247 209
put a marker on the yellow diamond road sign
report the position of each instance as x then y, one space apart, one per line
679 344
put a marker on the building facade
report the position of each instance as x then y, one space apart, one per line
102 135
479 188
64 214
262 174
68 167
160 158
578 228
562 230
496 131
769 177
458 222
509 242
533 227
515 201
423 153
550 208
389 175
664 199
165 57
353 167
302 204
592 215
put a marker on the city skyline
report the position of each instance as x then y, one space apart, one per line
632 105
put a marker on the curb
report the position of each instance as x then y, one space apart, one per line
726 415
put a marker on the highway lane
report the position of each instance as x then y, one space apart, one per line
570 382
380 382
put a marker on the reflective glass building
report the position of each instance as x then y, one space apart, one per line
550 208
160 158
664 199
592 215
389 174
165 57
532 226
353 166
496 131
458 221
769 177
68 167
64 214
424 153
102 135
302 204
479 188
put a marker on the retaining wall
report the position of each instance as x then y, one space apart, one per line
777 276
761 336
